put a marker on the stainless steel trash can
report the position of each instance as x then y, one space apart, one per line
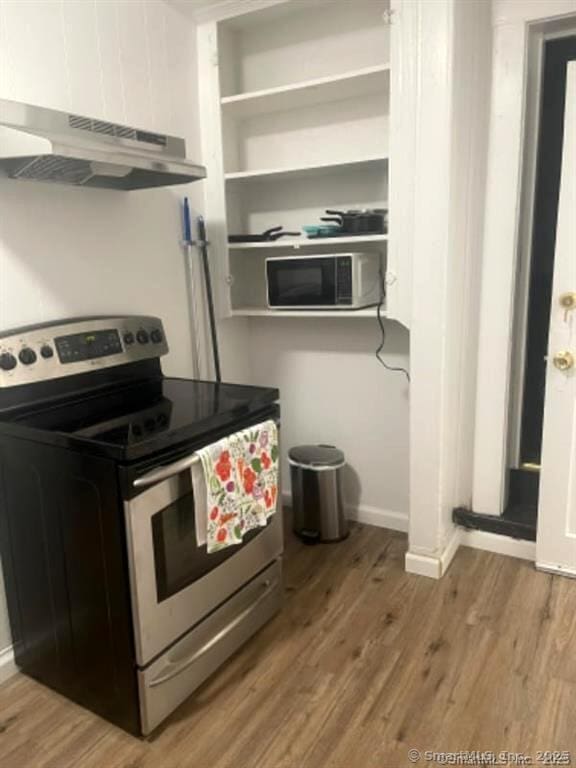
317 501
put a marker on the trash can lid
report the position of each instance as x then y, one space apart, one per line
316 456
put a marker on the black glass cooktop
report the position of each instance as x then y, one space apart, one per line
144 417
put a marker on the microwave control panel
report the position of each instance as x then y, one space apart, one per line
344 280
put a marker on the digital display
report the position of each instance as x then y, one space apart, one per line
88 346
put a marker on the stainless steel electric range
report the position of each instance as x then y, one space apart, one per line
112 602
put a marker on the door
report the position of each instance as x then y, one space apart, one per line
556 539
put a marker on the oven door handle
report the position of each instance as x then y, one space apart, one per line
173 669
162 473
165 472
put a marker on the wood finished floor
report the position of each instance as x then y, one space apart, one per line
364 662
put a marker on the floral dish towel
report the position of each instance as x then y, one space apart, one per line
241 476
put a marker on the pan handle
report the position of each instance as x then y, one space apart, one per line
270 233
278 235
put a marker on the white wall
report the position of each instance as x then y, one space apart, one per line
454 58
334 391
66 251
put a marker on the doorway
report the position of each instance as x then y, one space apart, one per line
510 506
534 326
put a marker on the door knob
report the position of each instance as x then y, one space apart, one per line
568 300
564 361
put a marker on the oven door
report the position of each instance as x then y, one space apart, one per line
174 582
301 282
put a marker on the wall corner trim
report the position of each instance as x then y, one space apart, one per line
8 666
433 565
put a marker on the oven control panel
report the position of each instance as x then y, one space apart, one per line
67 347
88 346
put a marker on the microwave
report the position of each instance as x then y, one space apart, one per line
336 280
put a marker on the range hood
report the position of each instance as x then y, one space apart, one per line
48 145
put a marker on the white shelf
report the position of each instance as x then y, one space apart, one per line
295 126
301 171
306 242
311 92
369 312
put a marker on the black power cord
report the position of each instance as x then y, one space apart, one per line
391 368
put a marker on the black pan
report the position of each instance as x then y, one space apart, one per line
268 236
370 221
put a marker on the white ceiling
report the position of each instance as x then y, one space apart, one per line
195 8
204 10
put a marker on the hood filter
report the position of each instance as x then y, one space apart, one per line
54 168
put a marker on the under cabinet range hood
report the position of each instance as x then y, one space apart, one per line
48 145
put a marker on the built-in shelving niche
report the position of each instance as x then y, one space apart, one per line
247 265
304 105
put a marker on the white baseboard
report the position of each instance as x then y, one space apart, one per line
501 545
556 570
433 565
8 666
380 518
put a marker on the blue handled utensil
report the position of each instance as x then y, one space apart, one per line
187 227
202 245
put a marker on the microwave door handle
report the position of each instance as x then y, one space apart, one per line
162 473
173 669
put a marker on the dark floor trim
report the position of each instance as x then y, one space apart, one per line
516 529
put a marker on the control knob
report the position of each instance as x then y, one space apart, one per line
157 336
7 361
46 351
142 336
27 356
129 338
